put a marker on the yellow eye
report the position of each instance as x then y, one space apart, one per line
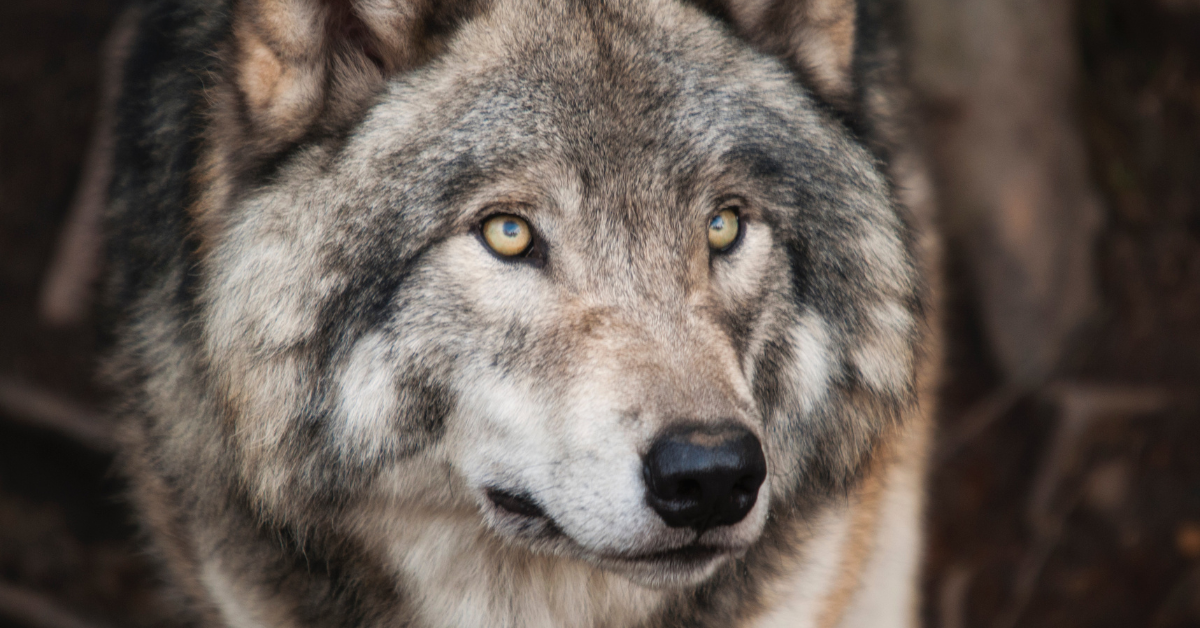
723 230
507 234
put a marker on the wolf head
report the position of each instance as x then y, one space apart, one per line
608 280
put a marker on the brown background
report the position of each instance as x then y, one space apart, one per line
1065 486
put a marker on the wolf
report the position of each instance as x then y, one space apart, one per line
522 313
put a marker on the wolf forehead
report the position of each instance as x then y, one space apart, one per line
629 123
609 102
637 121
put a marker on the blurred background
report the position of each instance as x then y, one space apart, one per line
1063 139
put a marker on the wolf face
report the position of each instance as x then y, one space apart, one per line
487 308
377 349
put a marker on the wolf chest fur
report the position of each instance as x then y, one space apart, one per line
522 312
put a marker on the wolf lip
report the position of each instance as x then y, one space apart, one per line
515 503
688 554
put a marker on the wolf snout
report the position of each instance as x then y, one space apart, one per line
704 477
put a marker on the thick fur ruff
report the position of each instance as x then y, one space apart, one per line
334 391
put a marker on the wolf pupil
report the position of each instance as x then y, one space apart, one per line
511 229
717 224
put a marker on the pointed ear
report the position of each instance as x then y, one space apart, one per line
815 37
300 64
295 68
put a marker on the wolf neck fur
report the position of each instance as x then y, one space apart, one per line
458 574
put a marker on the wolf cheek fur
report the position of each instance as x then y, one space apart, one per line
345 407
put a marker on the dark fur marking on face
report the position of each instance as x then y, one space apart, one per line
757 160
715 8
800 266
465 175
378 269
446 17
768 384
330 580
143 250
825 276
425 405
324 473
740 324
326 477
511 355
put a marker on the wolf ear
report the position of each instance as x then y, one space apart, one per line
296 64
815 37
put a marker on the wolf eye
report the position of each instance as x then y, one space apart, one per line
507 235
723 229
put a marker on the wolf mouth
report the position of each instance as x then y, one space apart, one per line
692 554
516 503
689 556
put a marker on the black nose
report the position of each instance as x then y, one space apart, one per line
704 477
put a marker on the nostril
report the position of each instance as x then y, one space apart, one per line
689 490
748 484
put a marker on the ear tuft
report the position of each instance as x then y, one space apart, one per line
300 64
815 37
294 68
280 78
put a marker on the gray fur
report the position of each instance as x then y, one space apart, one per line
323 369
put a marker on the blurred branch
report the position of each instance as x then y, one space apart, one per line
978 418
952 596
1182 602
31 405
997 80
69 287
1081 407
36 610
